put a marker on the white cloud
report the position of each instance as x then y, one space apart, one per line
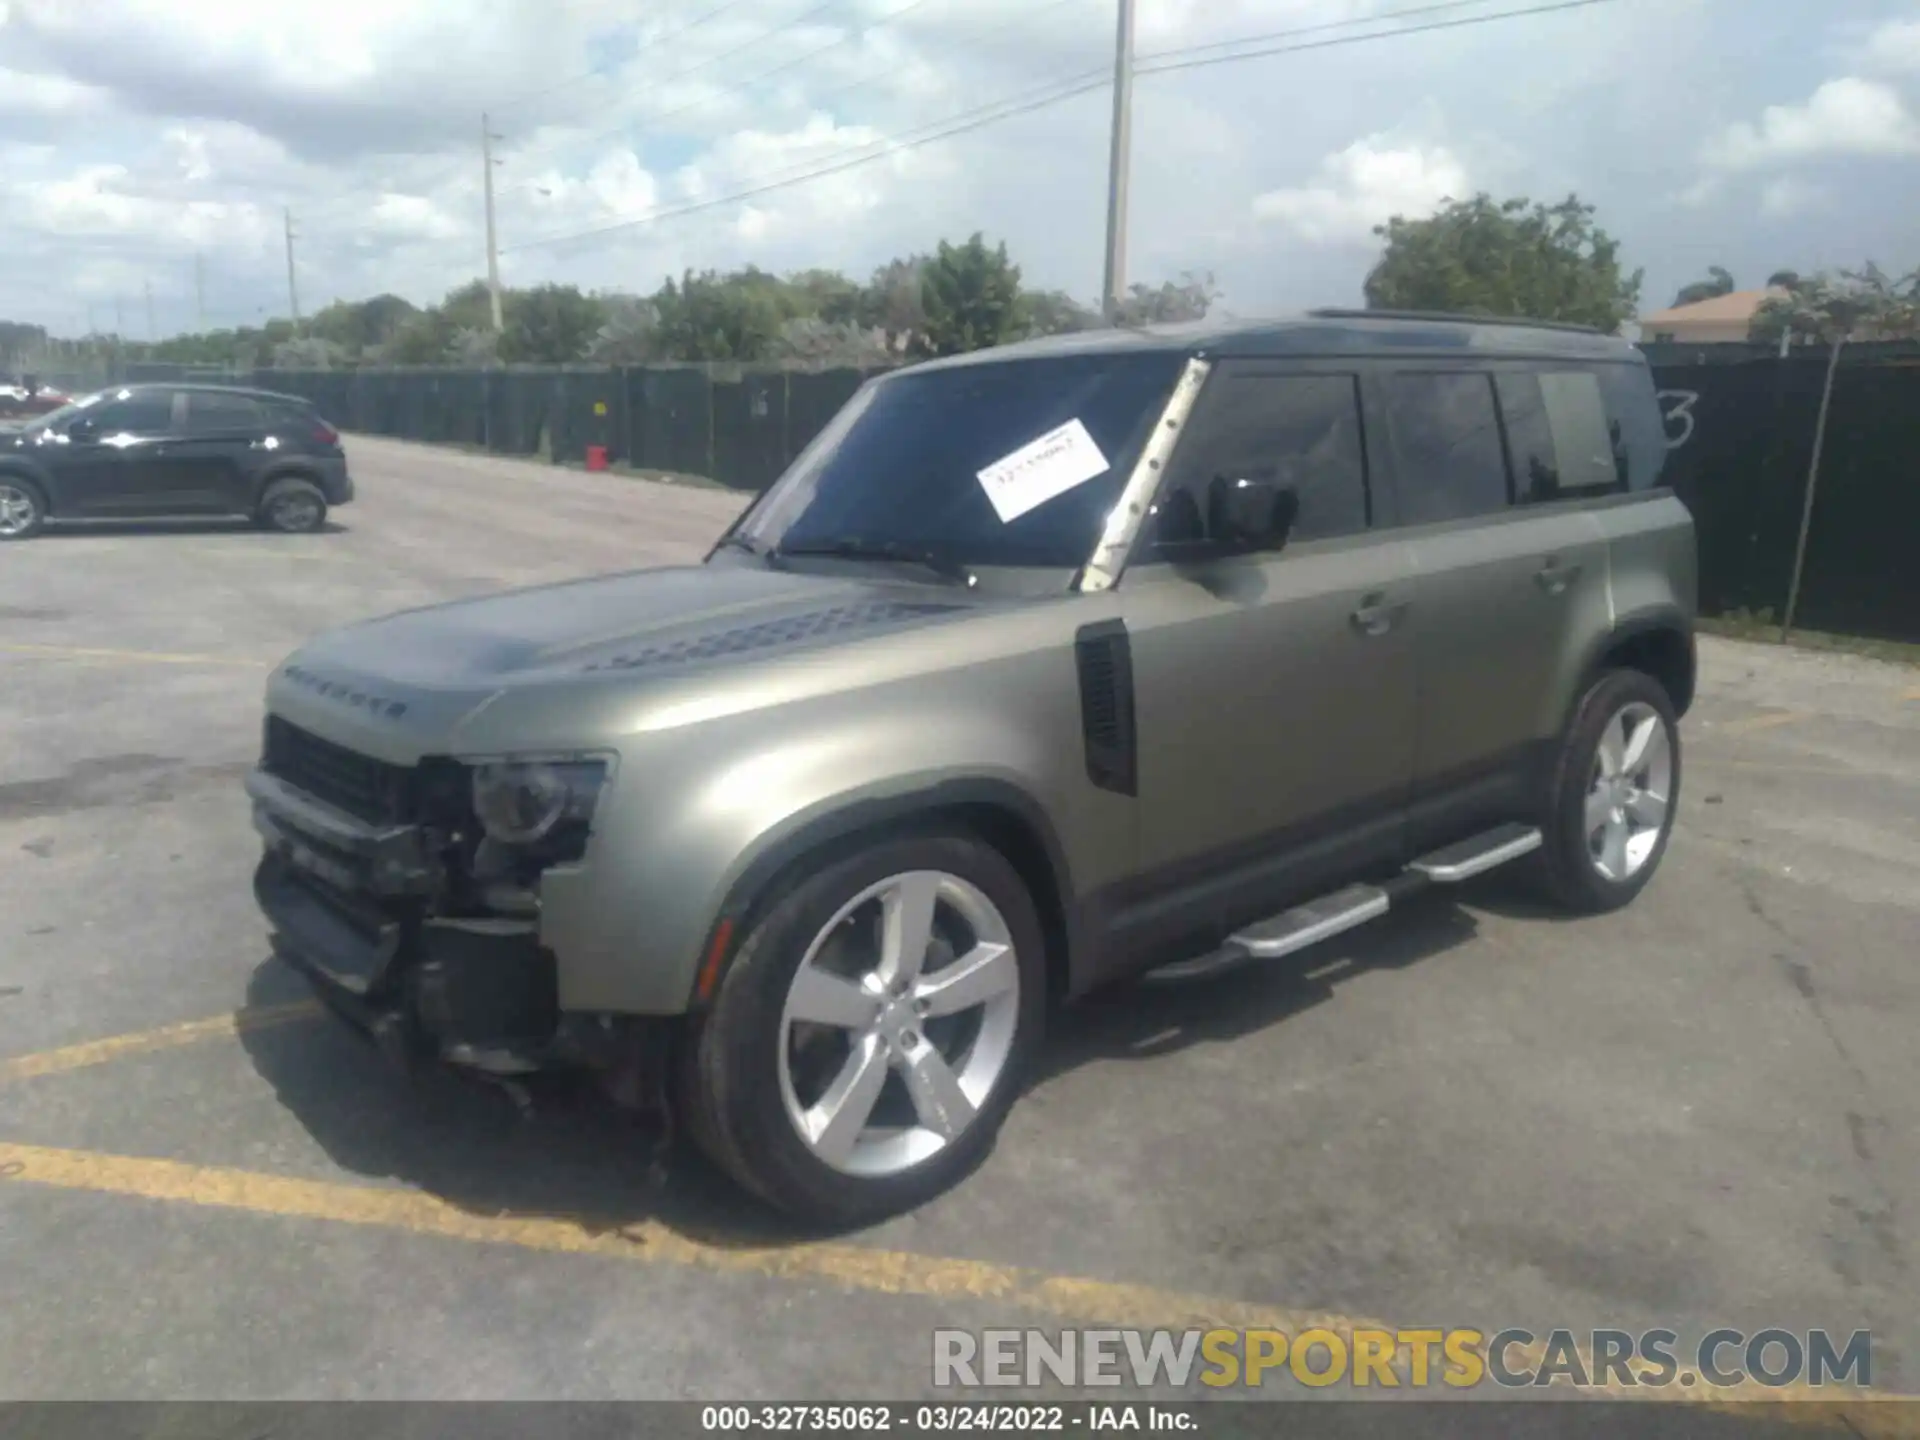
1787 195
23 93
1849 116
1703 191
1365 185
1895 46
134 133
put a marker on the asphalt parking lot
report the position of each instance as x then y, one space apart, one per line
1701 1112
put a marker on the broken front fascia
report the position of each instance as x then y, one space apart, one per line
1130 511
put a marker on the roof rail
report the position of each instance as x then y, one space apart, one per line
1336 313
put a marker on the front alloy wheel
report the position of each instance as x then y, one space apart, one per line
867 1038
899 1023
21 512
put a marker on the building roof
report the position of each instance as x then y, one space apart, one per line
1732 308
1351 333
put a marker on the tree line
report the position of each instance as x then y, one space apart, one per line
1514 257
957 297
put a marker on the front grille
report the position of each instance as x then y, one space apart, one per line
364 787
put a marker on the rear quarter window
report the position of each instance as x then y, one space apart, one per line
1581 430
1634 426
1557 435
283 416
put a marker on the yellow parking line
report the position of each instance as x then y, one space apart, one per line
1070 1299
1764 722
1913 694
152 657
145 1042
859 1268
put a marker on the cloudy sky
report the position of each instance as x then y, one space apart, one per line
144 142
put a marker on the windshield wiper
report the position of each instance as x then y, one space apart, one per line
855 547
738 542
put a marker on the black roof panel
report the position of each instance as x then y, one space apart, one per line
1347 333
251 392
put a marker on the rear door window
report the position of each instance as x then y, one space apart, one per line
210 413
1446 437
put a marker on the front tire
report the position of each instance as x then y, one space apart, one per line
292 507
1614 794
23 509
871 1033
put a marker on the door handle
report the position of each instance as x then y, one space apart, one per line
1554 578
1376 615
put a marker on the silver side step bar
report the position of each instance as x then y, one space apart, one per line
1306 925
1477 854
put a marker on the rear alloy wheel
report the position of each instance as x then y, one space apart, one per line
293 507
867 1041
22 511
1616 788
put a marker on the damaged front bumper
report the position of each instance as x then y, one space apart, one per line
355 908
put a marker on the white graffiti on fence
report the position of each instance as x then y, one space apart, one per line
1678 405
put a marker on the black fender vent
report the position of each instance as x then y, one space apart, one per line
771 634
1104 656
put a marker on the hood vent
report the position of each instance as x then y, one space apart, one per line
772 634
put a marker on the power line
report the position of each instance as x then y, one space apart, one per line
747 45
1016 21
954 125
780 69
976 119
1170 60
711 14
1320 27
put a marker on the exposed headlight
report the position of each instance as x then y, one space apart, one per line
522 802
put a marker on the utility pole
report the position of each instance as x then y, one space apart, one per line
152 334
119 318
200 291
93 326
487 162
293 285
1118 164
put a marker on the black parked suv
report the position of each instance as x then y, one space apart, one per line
146 451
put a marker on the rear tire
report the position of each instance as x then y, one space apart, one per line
1614 793
23 509
918 1078
292 507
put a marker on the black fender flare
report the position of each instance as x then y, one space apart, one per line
13 469
1664 619
290 469
780 850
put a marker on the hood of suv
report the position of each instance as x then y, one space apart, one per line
643 624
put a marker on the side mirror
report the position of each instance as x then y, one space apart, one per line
1250 512
85 427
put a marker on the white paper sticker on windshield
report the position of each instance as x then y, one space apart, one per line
1035 473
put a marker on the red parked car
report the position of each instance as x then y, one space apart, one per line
29 398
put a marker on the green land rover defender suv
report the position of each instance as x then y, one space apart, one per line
1133 654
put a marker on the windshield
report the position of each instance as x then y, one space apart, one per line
66 412
1013 462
